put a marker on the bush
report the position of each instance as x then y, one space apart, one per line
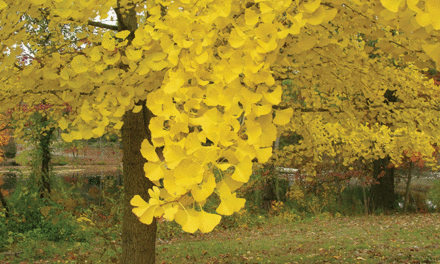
39 219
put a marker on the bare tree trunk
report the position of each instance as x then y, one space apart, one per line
138 240
383 196
408 183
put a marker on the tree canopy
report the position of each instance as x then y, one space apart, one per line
213 73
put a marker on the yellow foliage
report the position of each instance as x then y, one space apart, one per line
211 72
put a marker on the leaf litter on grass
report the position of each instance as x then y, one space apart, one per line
368 239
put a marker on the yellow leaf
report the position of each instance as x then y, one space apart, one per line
188 220
433 8
203 191
95 54
283 116
108 41
188 173
85 112
154 193
253 131
433 51
173 155
62 123
144 211
3 5
317 17
312 5
330 14
174 84
133 55
79 64
392 5
423 19
137 108
118 125
87 134
159 65
235 40
265 8
156 127
67 137
251 17
153 171
170 212
275 96
123 34
208 221
111 59
232 184
148 151
262 110
230 204
202 58
263 154
192 143
99 131
243 170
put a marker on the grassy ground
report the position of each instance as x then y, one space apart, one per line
370 239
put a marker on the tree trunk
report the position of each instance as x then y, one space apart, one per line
383 196
138 240
45 188
408 184
4 204
44 146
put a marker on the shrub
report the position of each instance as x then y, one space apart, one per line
40 219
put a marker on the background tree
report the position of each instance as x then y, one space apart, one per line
4 139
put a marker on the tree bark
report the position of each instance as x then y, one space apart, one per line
408 184
4 204
383 196
44 145
138 240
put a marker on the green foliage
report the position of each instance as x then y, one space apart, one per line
434 194
39 219
264 187
24 158
10 150
308 200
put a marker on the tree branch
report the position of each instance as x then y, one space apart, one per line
102 25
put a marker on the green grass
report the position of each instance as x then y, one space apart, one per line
411 238
371 239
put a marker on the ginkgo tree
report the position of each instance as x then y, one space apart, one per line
200 79
361 95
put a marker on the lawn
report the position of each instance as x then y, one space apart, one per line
368 239
411 238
